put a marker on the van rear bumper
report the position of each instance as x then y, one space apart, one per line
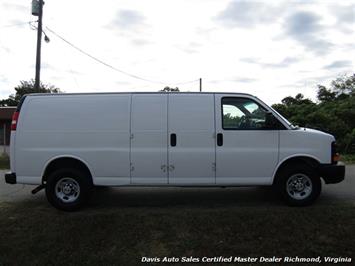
10 178
332 173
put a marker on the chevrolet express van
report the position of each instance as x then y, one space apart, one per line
69 143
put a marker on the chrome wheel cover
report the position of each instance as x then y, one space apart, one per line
67 189
299 186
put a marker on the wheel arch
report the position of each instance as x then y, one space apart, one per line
309 160
62 161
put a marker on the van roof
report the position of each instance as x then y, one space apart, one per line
159 92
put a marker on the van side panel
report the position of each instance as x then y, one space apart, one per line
149 139
94 128
298 143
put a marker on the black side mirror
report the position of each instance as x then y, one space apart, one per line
271 122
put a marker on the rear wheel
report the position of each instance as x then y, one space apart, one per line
299 185
68 189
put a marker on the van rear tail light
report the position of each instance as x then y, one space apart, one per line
14 120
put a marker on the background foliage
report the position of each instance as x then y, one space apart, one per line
333 112
27 87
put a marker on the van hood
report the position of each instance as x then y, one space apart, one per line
316 132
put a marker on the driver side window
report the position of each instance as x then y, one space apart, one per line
242 114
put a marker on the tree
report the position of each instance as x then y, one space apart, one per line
298 99
169 89
334 113
27 87
325 95
230 121
344 85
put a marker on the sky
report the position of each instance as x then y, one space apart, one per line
271 49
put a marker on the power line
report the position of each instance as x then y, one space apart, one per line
99 60
16 24
109 65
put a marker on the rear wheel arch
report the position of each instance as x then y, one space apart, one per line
64 163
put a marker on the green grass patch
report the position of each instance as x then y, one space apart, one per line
40 235
348 158
4 161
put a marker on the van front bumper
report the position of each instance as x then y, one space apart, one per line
332 173
10 178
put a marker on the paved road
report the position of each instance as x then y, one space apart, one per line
163 197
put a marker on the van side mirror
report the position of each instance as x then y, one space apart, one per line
271 121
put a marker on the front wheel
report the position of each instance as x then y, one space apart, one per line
299 185
67 189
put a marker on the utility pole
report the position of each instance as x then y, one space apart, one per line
200 84
37 10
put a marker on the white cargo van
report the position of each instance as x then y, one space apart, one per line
69 143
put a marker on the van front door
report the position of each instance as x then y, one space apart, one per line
247 149
191 129
149 139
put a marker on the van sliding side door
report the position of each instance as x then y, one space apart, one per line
191 142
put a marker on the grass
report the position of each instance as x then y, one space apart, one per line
348 158
4 161
40 235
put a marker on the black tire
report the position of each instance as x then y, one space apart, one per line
298 184
71 179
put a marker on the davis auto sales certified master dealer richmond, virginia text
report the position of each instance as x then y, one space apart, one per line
231 259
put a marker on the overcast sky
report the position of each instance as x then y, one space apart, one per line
271 49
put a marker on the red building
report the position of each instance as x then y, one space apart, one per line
5 124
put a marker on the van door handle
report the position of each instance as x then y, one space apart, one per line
220 139
173 139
